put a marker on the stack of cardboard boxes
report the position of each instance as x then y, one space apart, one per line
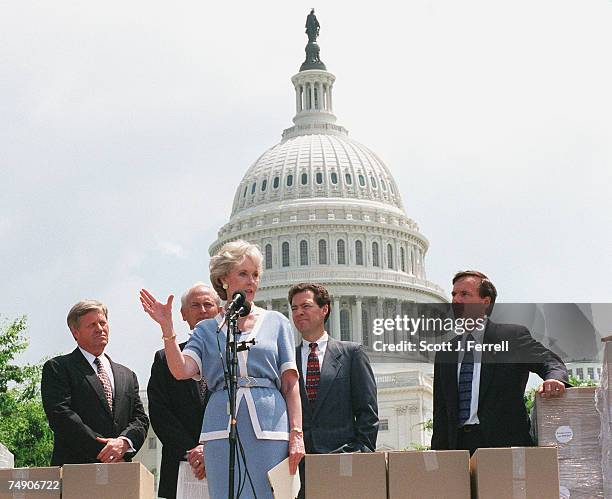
571 423
512 473
604 407
78 481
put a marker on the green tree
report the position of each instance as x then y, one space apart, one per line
23 424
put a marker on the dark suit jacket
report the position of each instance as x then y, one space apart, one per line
176 412
73 399
345 415
503 377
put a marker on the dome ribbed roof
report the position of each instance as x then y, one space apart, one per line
316 165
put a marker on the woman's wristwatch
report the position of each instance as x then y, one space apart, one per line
298 430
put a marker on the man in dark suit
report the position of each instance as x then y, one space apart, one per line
91 402
337 385
177 407
478 391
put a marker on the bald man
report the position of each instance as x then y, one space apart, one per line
176 408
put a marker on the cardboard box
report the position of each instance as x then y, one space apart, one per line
429 474
7 460
572 424
346 476
604 403
30 483
515 473
106 481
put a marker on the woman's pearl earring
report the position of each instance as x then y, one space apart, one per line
225 286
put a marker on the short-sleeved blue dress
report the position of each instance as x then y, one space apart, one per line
262 421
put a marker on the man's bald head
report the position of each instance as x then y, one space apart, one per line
198 303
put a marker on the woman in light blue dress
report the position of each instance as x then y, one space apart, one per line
269 414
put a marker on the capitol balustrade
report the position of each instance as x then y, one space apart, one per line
327 275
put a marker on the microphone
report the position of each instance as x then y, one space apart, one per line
239 305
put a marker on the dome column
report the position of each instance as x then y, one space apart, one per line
336 318
357 326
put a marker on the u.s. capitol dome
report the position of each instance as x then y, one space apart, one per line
325 208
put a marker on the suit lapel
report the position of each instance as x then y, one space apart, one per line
331 366
451 382
120 386
302 380
92 378
487 367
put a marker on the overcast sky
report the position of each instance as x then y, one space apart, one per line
126 126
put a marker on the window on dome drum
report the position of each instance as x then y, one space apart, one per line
348 178
373 180
289 180
303 252
358 252
319 178
340 246
268 253
275 182
264 184
365 328
334 178
246 188
322 252
285 254
345 330
361 180
389 256
375 255
403 259
304 178
391 188
253 187
384 185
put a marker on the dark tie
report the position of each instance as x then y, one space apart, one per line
106 384
466 374
313 374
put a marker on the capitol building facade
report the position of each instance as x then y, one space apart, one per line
324 208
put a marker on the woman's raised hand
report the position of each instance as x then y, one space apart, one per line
160 313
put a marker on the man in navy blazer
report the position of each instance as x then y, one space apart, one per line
339 407
91 402
482 406
176 407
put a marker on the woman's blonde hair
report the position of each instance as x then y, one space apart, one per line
229 255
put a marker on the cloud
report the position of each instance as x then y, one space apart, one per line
171 249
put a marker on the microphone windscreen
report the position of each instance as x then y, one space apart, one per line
246 309
239 297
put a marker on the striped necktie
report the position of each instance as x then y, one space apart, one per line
466 374
106 384
313 375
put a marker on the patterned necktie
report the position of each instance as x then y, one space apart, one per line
202 389
313 375
106 384
466 374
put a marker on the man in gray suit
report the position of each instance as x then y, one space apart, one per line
337 386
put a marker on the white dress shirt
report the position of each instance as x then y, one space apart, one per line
478 335
105 363
321 347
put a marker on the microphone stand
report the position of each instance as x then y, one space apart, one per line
231 360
